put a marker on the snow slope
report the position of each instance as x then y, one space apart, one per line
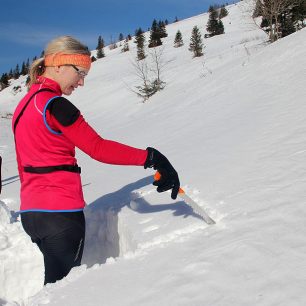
233 124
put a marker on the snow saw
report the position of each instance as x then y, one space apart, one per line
196 208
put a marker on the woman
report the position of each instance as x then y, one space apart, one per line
47 128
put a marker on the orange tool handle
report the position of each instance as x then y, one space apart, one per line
157 177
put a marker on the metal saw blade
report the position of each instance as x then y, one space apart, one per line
196 208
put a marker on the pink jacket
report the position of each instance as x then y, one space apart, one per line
36 146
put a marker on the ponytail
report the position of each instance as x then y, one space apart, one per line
37 69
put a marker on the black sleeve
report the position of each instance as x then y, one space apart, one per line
63 111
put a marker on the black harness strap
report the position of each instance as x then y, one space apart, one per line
47 169
26 105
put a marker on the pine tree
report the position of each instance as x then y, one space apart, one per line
28 65
286 23
265 24
121 37
292 18
23 69
100 53
223 12
214 26
257 11
100 48
10 74
220 29
16 73
4 81
155 35
299 14
278 17
140 42
178 41
100 43
162 29
196 44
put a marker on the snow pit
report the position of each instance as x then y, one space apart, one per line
21 263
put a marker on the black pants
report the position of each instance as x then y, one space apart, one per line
60 237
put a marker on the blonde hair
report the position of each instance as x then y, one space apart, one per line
65 44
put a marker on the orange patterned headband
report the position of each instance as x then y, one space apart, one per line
60 59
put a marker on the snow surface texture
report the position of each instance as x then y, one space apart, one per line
233 124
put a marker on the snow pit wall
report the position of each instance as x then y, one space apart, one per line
105 236
19 257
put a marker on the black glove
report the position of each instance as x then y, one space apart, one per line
169 178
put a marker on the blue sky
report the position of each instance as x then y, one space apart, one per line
27 25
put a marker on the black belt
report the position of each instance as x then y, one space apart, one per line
49 169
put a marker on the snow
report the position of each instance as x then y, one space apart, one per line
233 125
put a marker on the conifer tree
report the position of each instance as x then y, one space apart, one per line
4 81
214 26
196 44
299 14
100 53
257 11
286 23
10 74
100 43
278 17
140 42
155 35
223 12
178 41
292 18
28 65
23 69
16 73
121 37
100 48
162 29
220 29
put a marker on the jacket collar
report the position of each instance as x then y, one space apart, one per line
44 82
